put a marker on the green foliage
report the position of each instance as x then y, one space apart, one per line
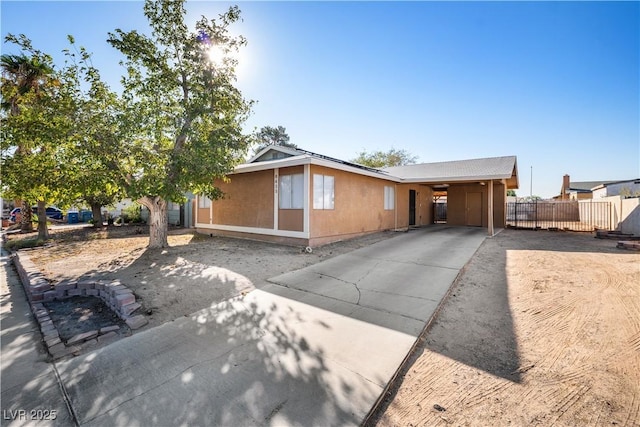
65 136
22 73
268 135
511 193
17 244
94 155
626 193
35 120
132 213
60 142
383 159
183 116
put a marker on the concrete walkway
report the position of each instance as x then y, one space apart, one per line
31 393
314 347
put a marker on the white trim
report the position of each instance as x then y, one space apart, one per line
306 212
211 212
255 230
460 179
270 164
276 197
197 201
307 159
389 198
286 150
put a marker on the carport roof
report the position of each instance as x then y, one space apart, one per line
460 171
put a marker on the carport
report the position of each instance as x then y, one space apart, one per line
476 189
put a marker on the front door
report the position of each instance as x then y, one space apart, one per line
412 207
474 209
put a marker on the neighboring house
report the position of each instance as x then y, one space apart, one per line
628 188
177 214
300 197
115 210
577 190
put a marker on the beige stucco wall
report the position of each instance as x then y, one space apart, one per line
625 214
580 196
247 201
291 219
424 204
630 216
499 205
202 215
358 205
457 209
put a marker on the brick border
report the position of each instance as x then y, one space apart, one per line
38 290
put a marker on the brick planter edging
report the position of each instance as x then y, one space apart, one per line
38 290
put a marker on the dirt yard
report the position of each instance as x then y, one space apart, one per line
195 272
541 329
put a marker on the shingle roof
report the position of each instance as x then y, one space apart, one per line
585 186
428 173
458 170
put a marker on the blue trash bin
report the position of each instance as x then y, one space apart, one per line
73 217
86 216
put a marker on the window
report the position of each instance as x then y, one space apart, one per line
323 191
291 191
204 202
389 198
171 206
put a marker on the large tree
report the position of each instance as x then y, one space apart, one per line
268 135
93 160
384 159
184 115
23 77
62 145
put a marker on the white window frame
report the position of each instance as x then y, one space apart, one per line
323 192
291 191
204 202
389 198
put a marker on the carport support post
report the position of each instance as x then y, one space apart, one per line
490 209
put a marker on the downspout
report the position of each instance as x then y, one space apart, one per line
490 209
210 211
306 206
395 206
276 202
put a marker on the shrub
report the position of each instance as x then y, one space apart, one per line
132 213
17 244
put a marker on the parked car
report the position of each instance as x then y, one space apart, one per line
52 212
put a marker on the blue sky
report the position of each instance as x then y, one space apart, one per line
556 84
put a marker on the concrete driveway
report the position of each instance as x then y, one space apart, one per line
315 347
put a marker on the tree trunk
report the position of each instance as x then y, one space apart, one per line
158 221
25 217
43 231
96 211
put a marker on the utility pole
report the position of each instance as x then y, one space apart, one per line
531 184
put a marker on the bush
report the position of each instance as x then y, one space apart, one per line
132 213
18 244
